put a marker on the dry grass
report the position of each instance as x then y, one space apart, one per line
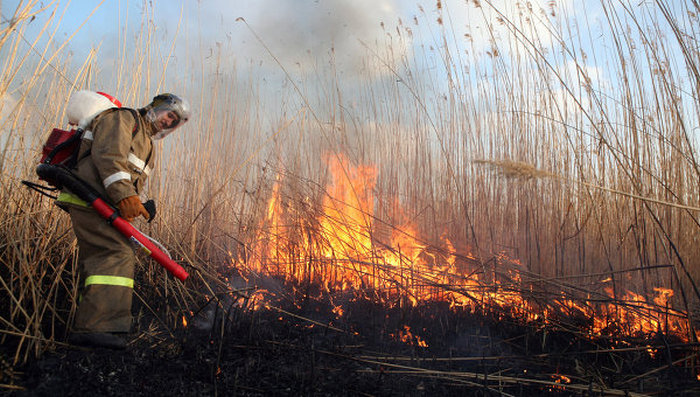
520 170
627 155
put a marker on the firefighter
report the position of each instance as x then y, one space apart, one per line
115 158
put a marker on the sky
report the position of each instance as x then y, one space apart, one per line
306 41
302 35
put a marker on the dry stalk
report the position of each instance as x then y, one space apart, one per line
493 378
517 169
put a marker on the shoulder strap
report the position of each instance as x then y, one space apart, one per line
134 113
136 127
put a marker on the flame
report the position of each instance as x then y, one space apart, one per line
663 297
409 338
257 299
340 246
561 379
652 352
184 321
338 311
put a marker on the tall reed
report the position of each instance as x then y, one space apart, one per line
423 127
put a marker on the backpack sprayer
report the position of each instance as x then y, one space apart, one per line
59 156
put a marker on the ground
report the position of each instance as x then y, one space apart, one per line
297 350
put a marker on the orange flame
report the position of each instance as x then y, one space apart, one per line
257 299
338 311
409 338
343 248
561 379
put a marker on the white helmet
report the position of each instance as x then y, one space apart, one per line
166 113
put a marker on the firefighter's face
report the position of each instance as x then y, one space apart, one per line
167 120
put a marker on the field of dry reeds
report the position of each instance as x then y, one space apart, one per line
580 166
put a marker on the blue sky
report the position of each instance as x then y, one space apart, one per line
294 31
321 37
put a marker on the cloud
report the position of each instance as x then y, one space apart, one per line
306 34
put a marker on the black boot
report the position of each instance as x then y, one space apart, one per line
97 339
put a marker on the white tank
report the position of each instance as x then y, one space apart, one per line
84 105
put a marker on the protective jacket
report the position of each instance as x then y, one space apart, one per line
115 158
116 153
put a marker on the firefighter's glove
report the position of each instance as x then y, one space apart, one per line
131 207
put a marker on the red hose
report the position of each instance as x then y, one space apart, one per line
136 236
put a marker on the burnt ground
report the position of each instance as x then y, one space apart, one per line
287 351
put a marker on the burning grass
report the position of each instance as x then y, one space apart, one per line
339 247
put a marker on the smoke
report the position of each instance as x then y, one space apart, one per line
7 105
311 35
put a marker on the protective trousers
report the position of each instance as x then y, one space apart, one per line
106 264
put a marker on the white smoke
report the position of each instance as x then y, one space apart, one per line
310 34
7 105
